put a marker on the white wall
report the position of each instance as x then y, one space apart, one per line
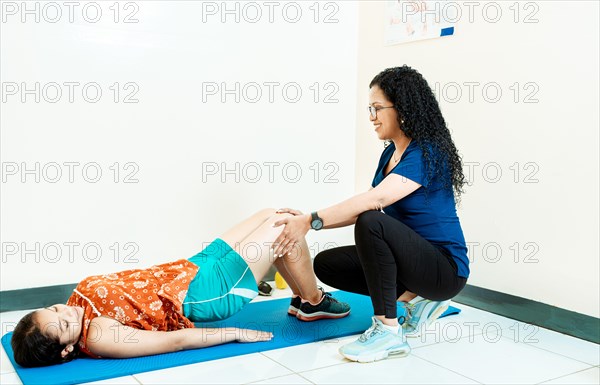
169 140
170 134
554 219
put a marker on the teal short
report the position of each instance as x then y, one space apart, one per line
223 285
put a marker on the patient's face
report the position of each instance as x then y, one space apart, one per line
386 123
62 322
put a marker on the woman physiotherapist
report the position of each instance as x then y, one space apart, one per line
409 243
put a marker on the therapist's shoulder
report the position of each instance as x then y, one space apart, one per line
418 149
413 153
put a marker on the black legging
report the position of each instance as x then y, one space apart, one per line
388 259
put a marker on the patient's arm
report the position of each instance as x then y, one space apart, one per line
109 338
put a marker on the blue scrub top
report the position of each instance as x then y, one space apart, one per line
434 218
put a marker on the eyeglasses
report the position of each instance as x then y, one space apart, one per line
373 110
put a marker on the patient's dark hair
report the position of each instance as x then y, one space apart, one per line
32 348
417 106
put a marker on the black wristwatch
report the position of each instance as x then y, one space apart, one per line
316 223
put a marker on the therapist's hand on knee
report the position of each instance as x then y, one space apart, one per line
289 211
294 231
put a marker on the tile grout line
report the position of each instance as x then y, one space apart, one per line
136 379
524 343
278 363
285 375
510 339
13 371
300 373
10 363
566 375
306 371
323 367
266 379
550 351
301 376
445 341
293 371
443 367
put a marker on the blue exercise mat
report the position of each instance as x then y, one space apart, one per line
265 315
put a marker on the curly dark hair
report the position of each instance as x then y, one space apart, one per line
32 348
417 106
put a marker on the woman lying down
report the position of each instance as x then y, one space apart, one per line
150 311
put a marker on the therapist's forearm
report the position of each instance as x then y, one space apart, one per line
346 212
341 224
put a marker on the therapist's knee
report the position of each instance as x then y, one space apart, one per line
368 220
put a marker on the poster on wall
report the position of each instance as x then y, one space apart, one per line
408 21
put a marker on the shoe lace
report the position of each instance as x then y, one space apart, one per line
410 308
329 297
370 332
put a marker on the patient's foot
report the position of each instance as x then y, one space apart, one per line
327 307
294 305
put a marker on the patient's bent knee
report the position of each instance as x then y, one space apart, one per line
266 212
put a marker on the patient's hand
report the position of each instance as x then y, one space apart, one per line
248 335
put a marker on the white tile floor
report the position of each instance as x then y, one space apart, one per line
470 348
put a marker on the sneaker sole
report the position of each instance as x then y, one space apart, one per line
437 312
319 315
378 356
292 311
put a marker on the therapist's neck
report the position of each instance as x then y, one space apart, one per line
401 142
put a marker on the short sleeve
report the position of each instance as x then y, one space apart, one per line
412 166
380 166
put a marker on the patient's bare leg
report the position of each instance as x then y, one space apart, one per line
253 238
297 271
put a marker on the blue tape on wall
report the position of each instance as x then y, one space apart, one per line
447 31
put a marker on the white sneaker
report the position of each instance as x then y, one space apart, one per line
420 313
376 343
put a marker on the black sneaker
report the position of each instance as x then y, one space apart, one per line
329 307
294 306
